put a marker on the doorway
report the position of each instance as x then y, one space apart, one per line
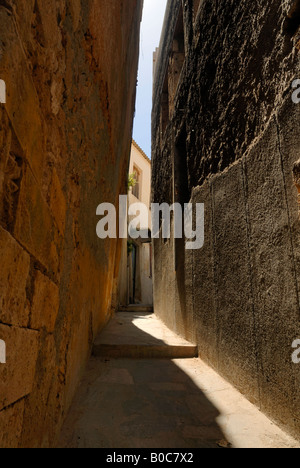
134 271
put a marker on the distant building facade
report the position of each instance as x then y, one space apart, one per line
135 277
226 134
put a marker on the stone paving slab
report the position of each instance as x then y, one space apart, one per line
164 404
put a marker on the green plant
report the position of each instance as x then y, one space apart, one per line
129 247
131 181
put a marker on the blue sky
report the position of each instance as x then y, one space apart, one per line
153 16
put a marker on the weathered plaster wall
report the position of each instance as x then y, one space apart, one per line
70 68
238 297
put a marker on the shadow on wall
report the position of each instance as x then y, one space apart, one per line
123 403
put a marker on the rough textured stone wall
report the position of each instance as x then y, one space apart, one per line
231 140
70 68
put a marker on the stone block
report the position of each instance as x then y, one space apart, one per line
205 318
274 287
45 303
35 228
11 420
17 375
289 116
41 403
22 100
14 271
234 299
58 203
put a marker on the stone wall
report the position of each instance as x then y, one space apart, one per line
227 135
70 69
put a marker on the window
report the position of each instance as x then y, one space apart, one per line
150 255
137 187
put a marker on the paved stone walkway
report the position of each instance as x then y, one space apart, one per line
160 403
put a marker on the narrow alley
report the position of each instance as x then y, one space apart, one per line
144 387
149 225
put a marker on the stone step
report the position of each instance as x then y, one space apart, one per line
137 308
141 336
144 351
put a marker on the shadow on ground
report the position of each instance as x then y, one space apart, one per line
134 403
